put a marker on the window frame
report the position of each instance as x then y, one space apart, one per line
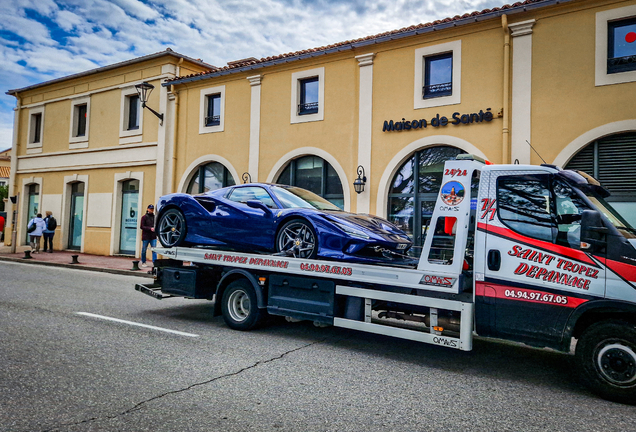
32 133
243 188
293 171
427 75
603 21
76 140
200 173
296 91
204 106
134 135
303 96
453 48
546 178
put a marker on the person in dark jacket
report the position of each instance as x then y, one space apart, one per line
148 235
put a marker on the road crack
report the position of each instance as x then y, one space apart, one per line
139 405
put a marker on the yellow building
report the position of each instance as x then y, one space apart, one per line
390 109
5 167
84 149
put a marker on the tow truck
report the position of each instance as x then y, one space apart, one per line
524 253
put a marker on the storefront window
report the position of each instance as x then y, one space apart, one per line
129 217
316 175
611 161
77 216
210 177
33 205
411 199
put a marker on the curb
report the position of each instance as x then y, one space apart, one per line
139 273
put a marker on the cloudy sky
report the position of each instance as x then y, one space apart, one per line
46 39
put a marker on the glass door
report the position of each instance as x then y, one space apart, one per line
76 216
33 207
129 217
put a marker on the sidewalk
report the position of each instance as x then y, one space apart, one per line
107 264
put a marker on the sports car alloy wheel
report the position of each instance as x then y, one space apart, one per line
297 239
172 228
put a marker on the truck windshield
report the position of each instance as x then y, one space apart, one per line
612 215
293 197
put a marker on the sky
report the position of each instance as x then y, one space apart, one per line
42 40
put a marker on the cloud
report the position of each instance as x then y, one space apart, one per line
45 39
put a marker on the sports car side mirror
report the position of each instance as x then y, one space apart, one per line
259 205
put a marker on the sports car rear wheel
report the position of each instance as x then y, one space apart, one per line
298 239
172 228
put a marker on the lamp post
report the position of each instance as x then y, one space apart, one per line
143 90
358 184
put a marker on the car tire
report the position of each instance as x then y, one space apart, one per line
298 238
172 228
240 306
606 360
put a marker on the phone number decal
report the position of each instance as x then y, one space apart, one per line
321 268
536 296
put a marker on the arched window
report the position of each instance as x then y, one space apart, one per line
612 161
414 190
314 174
210 177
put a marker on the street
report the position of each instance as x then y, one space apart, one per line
67 366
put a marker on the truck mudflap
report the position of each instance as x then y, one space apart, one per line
153 290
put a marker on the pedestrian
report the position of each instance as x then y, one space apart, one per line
35 228
49 232
148 235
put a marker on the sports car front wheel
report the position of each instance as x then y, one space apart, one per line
172 228
297 238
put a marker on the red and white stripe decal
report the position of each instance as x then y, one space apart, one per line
505 292
556 249
624 270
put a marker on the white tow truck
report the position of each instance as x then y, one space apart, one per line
532 254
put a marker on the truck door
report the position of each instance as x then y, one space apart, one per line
535 272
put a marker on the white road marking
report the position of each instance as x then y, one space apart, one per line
137 324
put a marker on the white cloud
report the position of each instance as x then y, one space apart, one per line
93 33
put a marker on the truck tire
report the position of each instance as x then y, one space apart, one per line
606 359
240 307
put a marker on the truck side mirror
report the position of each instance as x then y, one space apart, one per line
593 230
256 204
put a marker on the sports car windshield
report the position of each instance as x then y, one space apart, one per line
293 197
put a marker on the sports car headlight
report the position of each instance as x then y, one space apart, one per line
354 232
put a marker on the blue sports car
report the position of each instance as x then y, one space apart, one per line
279 219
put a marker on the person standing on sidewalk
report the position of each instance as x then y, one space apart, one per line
49 232
148 235
35 234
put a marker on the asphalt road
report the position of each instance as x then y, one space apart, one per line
64 371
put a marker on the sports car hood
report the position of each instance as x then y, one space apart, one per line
371 223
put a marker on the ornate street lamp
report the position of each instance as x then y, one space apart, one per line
358 184
144 89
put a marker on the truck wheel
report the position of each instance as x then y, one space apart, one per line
240 307
606 358
172 228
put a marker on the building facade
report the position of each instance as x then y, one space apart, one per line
86 150
539 81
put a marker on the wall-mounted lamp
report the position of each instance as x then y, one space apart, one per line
358 184
144 89
247 178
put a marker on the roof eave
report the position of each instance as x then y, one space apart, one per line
366 42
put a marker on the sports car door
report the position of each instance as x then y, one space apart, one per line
246 226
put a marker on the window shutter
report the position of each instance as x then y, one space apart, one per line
617 163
